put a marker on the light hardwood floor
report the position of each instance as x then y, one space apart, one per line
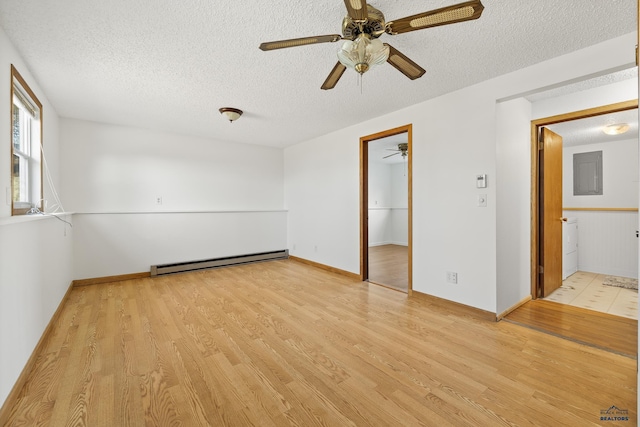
389 266
282 343
603 330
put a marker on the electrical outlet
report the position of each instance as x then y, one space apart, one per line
452 277
158 200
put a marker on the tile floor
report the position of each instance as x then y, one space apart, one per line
583 289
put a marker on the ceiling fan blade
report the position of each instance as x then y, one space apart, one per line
357 9
403 64
333 76
447 15
281 44
390 155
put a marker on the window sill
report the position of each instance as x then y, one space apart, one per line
17 219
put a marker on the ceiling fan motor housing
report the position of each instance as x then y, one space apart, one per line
374 25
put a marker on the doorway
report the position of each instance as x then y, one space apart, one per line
547 215
384 259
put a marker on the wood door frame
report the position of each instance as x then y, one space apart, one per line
364 199
535 172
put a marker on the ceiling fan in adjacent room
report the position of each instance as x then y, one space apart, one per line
402 149
363 26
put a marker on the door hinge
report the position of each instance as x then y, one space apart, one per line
540 145
540 269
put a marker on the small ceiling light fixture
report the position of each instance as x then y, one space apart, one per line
616 129
231 114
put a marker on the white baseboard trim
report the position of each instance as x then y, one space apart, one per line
371 245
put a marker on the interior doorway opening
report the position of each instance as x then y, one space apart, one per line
386 256
547 234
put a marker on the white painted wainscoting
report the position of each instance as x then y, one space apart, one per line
35 273
111 244
607 242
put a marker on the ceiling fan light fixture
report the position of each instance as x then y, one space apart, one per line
363 53
232 114
616 129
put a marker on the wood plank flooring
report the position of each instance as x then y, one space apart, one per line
603 330
389 266
282 343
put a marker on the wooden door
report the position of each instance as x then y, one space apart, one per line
550 211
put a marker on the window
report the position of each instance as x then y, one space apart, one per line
587 174
26 155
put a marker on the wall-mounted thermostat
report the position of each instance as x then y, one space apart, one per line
481 181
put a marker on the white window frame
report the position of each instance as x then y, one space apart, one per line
26 185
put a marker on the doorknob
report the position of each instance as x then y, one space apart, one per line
564 219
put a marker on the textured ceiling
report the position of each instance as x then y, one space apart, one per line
169 65
604 80
590 130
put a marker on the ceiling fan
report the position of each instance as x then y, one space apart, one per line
363 26
402 149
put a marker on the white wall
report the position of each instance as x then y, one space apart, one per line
619 175
35 252
117 244
607 243
604 95
513 182
399 204
449 232
110 168
322 199
380 185
380 190
218 198
35 273
388 195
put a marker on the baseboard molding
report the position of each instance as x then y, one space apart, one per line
455 306
10 402
371 245
326 267
504 314
109 279
399 244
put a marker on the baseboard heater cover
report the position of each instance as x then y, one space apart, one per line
183 267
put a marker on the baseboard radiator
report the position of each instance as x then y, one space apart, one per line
183 267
